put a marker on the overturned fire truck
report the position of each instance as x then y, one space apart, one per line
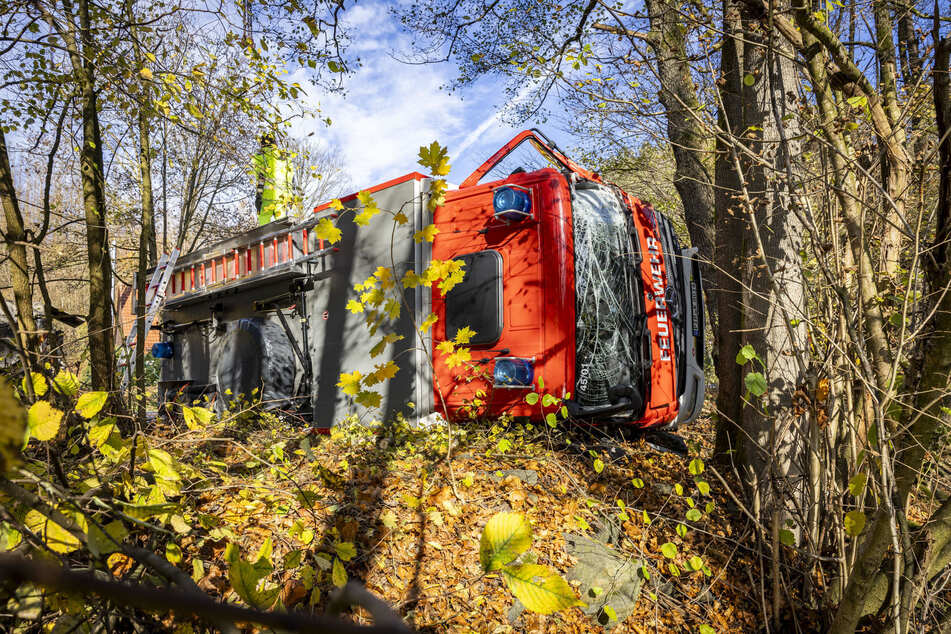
567 279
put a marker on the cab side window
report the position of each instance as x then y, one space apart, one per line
476 302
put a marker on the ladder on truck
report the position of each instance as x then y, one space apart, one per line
154 299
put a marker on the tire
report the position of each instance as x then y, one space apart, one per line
254 362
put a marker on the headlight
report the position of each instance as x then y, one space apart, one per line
512 372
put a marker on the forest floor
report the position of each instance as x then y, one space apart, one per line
386 507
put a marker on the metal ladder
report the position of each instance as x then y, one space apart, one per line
154 299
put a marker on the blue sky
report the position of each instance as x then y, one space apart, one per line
392 108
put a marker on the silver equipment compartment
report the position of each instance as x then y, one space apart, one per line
283 328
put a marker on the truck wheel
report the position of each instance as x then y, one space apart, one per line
254 362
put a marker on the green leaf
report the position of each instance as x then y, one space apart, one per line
292 559
56 537
696 467
531 398
44 421
787 538
551 419
40 386
345 550
694 515
91 403
13 427
669 550
99 433
163 464
610 613
548 400
857 484
173 552
102 542
598 465
505 537
681 530
695 563
197 417
198 570
749 79
706 629
637 483
756 383
678 489
703 486
854 523
246 577
539 588
339 574
9 537
746 354
66 383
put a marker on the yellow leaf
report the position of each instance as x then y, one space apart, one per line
90 403
369 399
40 386
505 537
428 322
446 346
44 420
363 218
56 537
338 575
854 523
327 230
376 350
197 417
539 588
428 234
400 218
411 280
350 383
145 73
392 308
336 204
66 383
354 306
464 335
459 357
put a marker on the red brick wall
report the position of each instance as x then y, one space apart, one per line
125 307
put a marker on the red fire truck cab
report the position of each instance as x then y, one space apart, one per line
572 288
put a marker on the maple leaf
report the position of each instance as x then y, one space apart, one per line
385 276
435 157
411 280
392 308
428 322
366 199
350 383
354 306
428 234
446 346
400 218
369 399
459 357
363 218
336 204
376 350
464 335
386 371
327 230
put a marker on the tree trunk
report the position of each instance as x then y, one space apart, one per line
16 239
99 321
146 257
686 133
